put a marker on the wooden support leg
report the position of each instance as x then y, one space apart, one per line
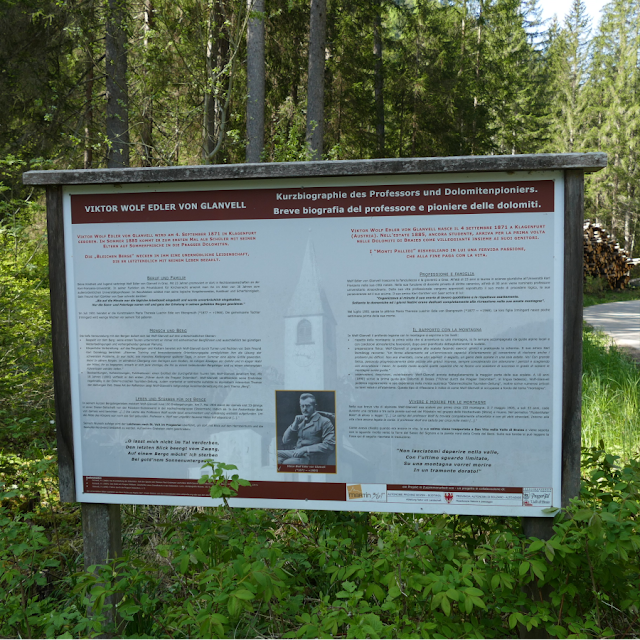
102 533
538 528
572 371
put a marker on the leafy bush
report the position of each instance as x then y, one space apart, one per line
245 573
595 285
26 382
37 554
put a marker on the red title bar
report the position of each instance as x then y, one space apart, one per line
523 196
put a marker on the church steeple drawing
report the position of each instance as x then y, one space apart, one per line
309 332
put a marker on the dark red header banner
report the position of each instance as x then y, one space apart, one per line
285 204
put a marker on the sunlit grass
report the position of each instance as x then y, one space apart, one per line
610 397
591 299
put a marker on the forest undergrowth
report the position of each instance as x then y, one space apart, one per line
221 572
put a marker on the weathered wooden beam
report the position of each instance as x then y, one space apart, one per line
60 344
572 330
102 540
101 529
399 166
572 350
255 80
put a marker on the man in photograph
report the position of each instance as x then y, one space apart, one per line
311 437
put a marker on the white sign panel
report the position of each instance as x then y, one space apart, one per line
386 344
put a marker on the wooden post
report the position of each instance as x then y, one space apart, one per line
101 530
572 348
60 344
100 522
315 77
102 542
571 351
255 80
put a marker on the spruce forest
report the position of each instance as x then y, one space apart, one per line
400 79
140 83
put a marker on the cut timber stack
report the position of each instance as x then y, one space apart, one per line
604 257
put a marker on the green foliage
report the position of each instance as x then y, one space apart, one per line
610 396
613 119
288 138
607 295
37 558
224 572
567 55
23 568
456 78
459 78
305 574
25 344
37 80
222 486
595 286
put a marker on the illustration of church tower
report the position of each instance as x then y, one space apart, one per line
310 361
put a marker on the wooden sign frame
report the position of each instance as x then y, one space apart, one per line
104 517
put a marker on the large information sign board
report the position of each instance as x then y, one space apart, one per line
386 343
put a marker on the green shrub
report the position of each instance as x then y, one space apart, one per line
26 381
304 574
596 285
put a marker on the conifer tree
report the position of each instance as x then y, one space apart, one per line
614 119
516 78
116 60
567 59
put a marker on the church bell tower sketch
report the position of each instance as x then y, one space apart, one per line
310 332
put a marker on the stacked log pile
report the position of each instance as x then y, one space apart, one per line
604 257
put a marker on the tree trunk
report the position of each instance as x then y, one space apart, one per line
215 103
255 80
379 80
315 82
88 110
414 115
474 132
147 105
222 99
117 91
628 235
209 142
87 30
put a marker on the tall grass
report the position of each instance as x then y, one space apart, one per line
610 397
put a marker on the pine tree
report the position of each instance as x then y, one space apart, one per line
614 119
516 87
567 59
